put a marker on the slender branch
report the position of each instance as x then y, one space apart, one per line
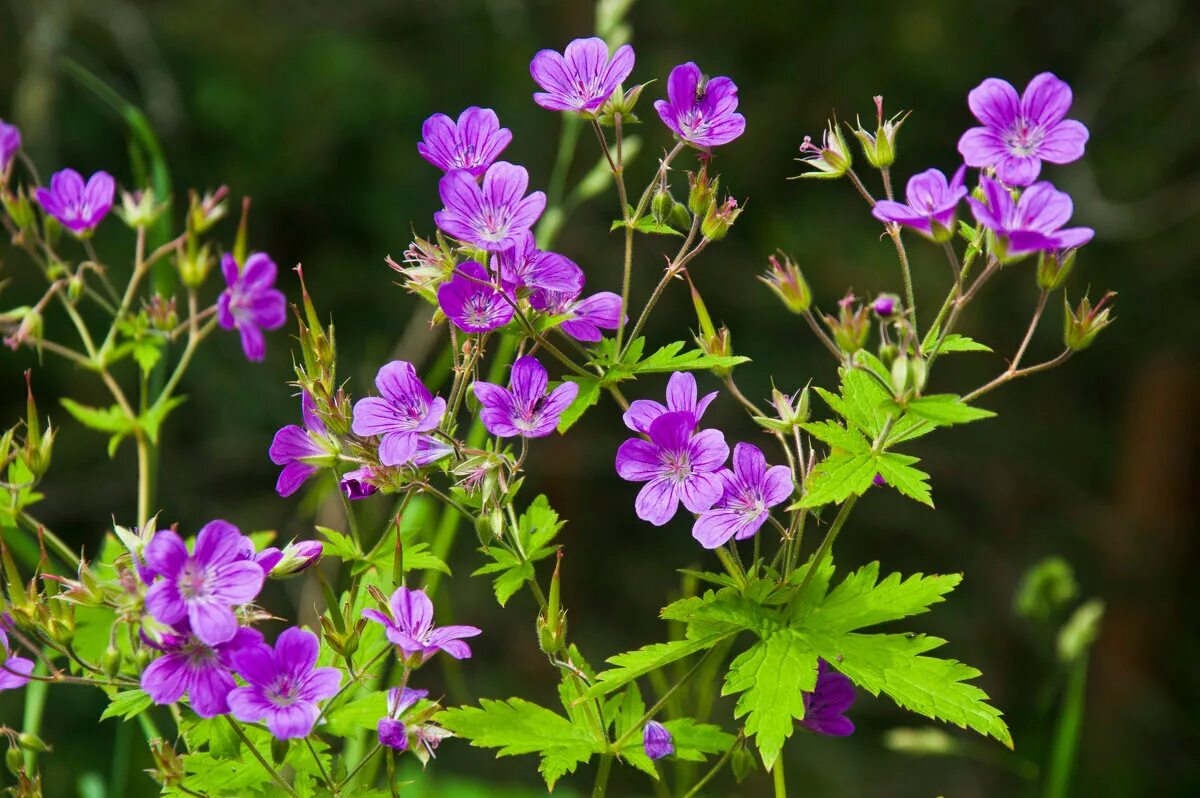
827 544
715 769
661 702
598 789
858 184
823 337
237 727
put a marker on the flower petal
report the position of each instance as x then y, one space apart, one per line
995 103
657 501
1046 100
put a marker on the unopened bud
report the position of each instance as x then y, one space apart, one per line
885 305
701 192
661 205
1054 268
110 662
31 742
140 208
18 208
194 264
789 284
852 325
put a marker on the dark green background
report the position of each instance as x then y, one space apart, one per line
314 110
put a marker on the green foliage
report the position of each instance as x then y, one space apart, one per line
536 529
127 704
770 677
635 664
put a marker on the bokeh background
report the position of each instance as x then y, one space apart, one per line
314 110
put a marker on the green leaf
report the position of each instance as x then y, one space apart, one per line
861 600
771 676
693 740
945 409
147 352
898 472
340 545
647 224
721 611
670 358
517 726
961 343
513 572
537 527
152 420
838 436
359 713
209 775
635 664
896 665
127 704
588 396
112 420
838 477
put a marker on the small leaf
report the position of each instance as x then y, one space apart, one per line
946 409
896 469
127 704
588 396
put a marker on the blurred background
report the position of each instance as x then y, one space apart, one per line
314 110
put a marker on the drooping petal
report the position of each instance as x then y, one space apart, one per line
210 684
715 527
253 345
397 448
292 477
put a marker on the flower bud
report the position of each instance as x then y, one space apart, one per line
1082 325
830 160
788 284
552 622
719 218
31 742
852 325
662 205
18 208
139 209
656 740
194 264
206 211
1054 268
880 149
297 557
14 760
701 192
885 305
110 662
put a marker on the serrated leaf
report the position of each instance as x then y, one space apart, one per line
588 396
152 420
838 477
897 470
961 343
945 409
363 712
837 436
647 224
108 419
635 664
670 358
862 600
339 544
771 677
127 704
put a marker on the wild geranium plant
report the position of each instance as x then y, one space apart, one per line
252 704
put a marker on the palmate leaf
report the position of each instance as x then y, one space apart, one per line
517 726
127 704
838 477
862 600
635 664
897 470
694 740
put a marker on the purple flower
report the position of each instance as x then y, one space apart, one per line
585 317
750 490
704 114
525 266
931 204
492 216
282 686
523 409
188 665
204 586
300 450
403 411
10 144
884 305
1031 224
878 480
79 207
295 558
681 397
582 78
471 143
676 465
410 627
251 303
825 706
16 670
357 484
1019 133
656 740
472 302
392 731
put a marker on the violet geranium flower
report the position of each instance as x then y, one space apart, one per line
585 317
676 465
404 409
524 408
1019 133
682 396
202 587
494 215
750 490
656 740
582 77
472 143
472 302
282 686
1032 223
931 204
250 302
10 144
16 670
296 557
188 665
78 206
410 627
704 114
524 266
300 450
825 706
392 731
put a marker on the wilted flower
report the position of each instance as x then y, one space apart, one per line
524 266
77 206
250 302
719 218
788 283
585 317
682 396
931 204
204 586
749 491
472 143
656 740
825 706
1030 224
582 78
676 465
10 145
831 159
301 450
16 670
391 729
852 325
410 627
1019 133
1081 326
493 216
188 665
141 208
472 302
404 409
702 113
524 408
282 686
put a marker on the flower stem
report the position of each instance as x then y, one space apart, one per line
661 702
780 783
237 727
602 776
715 769
827 544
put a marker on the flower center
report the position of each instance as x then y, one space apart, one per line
283 692
192 582
1023 138
677 466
